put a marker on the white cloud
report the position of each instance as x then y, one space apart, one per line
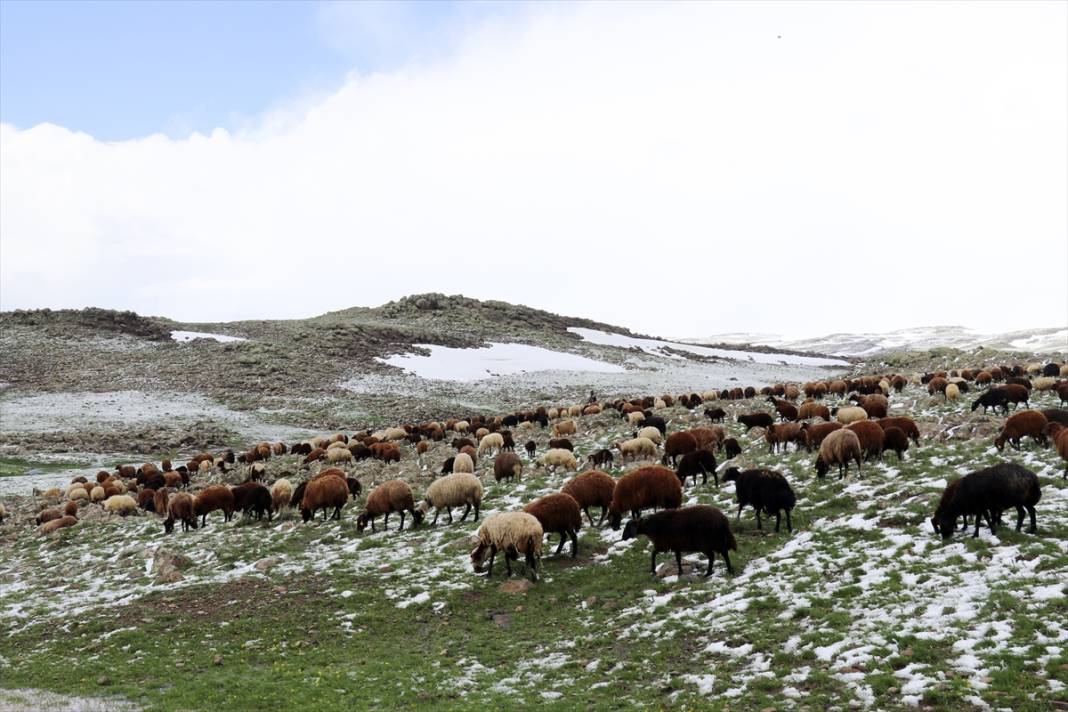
674 168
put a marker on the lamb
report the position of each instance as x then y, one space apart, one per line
561 444
558 513
601 458
783 434
1024 423
763 490
462 462
895 439
697 462
57 524
838 448
851 414
871 438
255 497
905 424
121 504
181 506
716 415
454 490
986 493
323 492
210 499
699 528
558 457
281 494
653 486
492 440
514 533
531 447
565 427
590 489
731 448
755 420
678 444
507 466
650 433
390 496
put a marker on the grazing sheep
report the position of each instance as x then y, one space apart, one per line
531 447
838 448
782 434
592 489
387 452
454 490
333 456
210 499
462 462
952 392
811 409
653 486
700 528
986 493
731 448
871 438
56 524
787 410
698 462
650 433
755 420
905 424
763 490
560 514
716 415
1044 383
97 494
323 493
281 494
561 444
1018 393
390 496
814 433
1058 433
514 533
3 512
709 437
678 444
565 427
601 458
1024 423
121 504
558 458
181 506
635 417
492 440
254 497
77 493
851 414
1056 415
47 515
896 440
507 466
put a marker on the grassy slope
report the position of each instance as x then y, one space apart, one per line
860 603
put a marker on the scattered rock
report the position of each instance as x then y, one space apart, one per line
217 660
268 563
515 586
503 620
103 680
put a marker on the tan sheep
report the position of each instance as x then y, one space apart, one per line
637 447
514 533
339 454
56 524
491 440
564 427
636 417
557 457
121 504
650 433
455 490
851 414
463 463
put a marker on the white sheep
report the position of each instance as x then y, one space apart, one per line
338 454
514 533
558 457
97 494
455 490
650 433
1045 383
121 504
76 486
205 466
635 417
462 427
637 447
884 386
575 410
552 413
77 493
659 403
336 444
710 395
463 463
491 440
952 392
851 414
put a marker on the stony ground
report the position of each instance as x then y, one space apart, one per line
862 606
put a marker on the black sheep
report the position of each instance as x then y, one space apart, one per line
253 497
510 421
716 415
763 490
355 488
731 448
657 422
531 447
1056 415
601 458
699 528
755 420
698 462
986 493
561 444
1051 369
993 398
446 467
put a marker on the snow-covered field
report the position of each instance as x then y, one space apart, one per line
190 335
452 364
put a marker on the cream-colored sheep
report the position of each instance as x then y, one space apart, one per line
558 457
952 392
659 403
564 427
525 425
463 463
884 386
552 413
851 414
52 493
1045 383
710 395
97 494
205 466
462 426
635 417
514 533
338 454
121 504
336 444
650 433
281 494
75 486
490 440
637 447
318 441
592 409
575 411
77 493
1064 369
455 490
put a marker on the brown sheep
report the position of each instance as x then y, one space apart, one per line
783 434
56 524
895 439
838 448
162 498
678 444
815 433
180 506
1018 393
47 515
390 496
314 455
506 466
1024 423
871 438
558 513
212 498
811 409
709 437
592 489
1059 435
652 486
565 427
323 493
70 509
386 452
908 425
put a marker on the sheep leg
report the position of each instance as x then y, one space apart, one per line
466 512
789 524
337 512
778 518
1034 524
979 523
1019 517
532 565
759 524
653 569
477 507
738 516
436 513
574 544
447 509
727 558
489 569
678 561
385 522
508 563
588 517
402 521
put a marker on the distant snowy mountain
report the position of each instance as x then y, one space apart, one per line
1051 340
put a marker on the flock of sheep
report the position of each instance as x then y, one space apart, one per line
841 437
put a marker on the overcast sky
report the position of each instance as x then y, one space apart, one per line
682 170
